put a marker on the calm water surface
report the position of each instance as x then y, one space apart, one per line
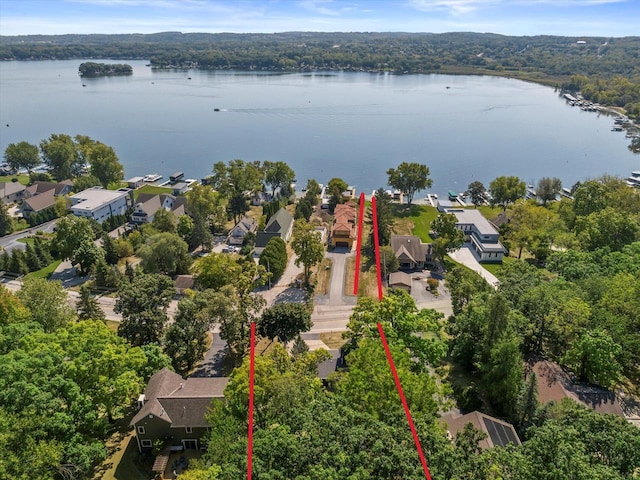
350 125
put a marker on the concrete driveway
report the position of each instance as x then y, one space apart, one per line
466 257
336 295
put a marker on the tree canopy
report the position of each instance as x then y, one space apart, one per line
409 178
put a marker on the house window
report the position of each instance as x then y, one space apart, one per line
146 444
188 429
141 430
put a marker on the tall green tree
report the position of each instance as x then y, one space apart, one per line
88 307
143 304
71 231
274 257
61 154
385 219
548 188
6 221
277 175
165 221
22 155
448 236
608 228
409 178
506 190
307 246
476 192
165 253
87 255
589 197
595 358
216 270
103 162
186 338
47 302
284 321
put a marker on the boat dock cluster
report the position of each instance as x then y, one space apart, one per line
621 122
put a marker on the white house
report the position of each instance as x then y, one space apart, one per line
148 204
100 204
480 233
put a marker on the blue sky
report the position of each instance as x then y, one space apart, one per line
510 17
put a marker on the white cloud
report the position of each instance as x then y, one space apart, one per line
461 7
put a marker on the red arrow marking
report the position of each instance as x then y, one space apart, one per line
358 244
416 440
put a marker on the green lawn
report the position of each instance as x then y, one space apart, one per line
420 216
489 212
150 189
44 272
23 179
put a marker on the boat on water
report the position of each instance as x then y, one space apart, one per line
634 179
151 178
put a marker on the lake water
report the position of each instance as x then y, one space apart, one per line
349 125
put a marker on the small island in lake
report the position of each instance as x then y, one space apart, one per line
92 69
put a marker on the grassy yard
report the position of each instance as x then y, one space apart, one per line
414 220
23 179
44 272
150 189
489 212
323 276
333 340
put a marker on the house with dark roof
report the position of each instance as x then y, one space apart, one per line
172 409
38 203
279 225
499 433
149 203
38 187
554 384
411 253
244 226
343 231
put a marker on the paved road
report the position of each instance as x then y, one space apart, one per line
9 242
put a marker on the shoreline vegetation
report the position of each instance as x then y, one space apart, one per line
92 69
604 69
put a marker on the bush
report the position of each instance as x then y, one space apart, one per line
274 257
433 284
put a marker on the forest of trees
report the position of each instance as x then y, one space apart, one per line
92 69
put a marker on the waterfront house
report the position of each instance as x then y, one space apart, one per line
135 182
499 433
180 188
149 203
279 225
238 232
101 204
480 233
38 203
38 187
343 231
172 409
411 253
11 191
260 198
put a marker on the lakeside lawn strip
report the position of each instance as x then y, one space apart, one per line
23 179
150 189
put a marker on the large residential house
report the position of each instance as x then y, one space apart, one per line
238 232
41 195
343 231
38 187
38 203
101 204
11 191
279 225
173 409
148 204
499 433
483 237
411 253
